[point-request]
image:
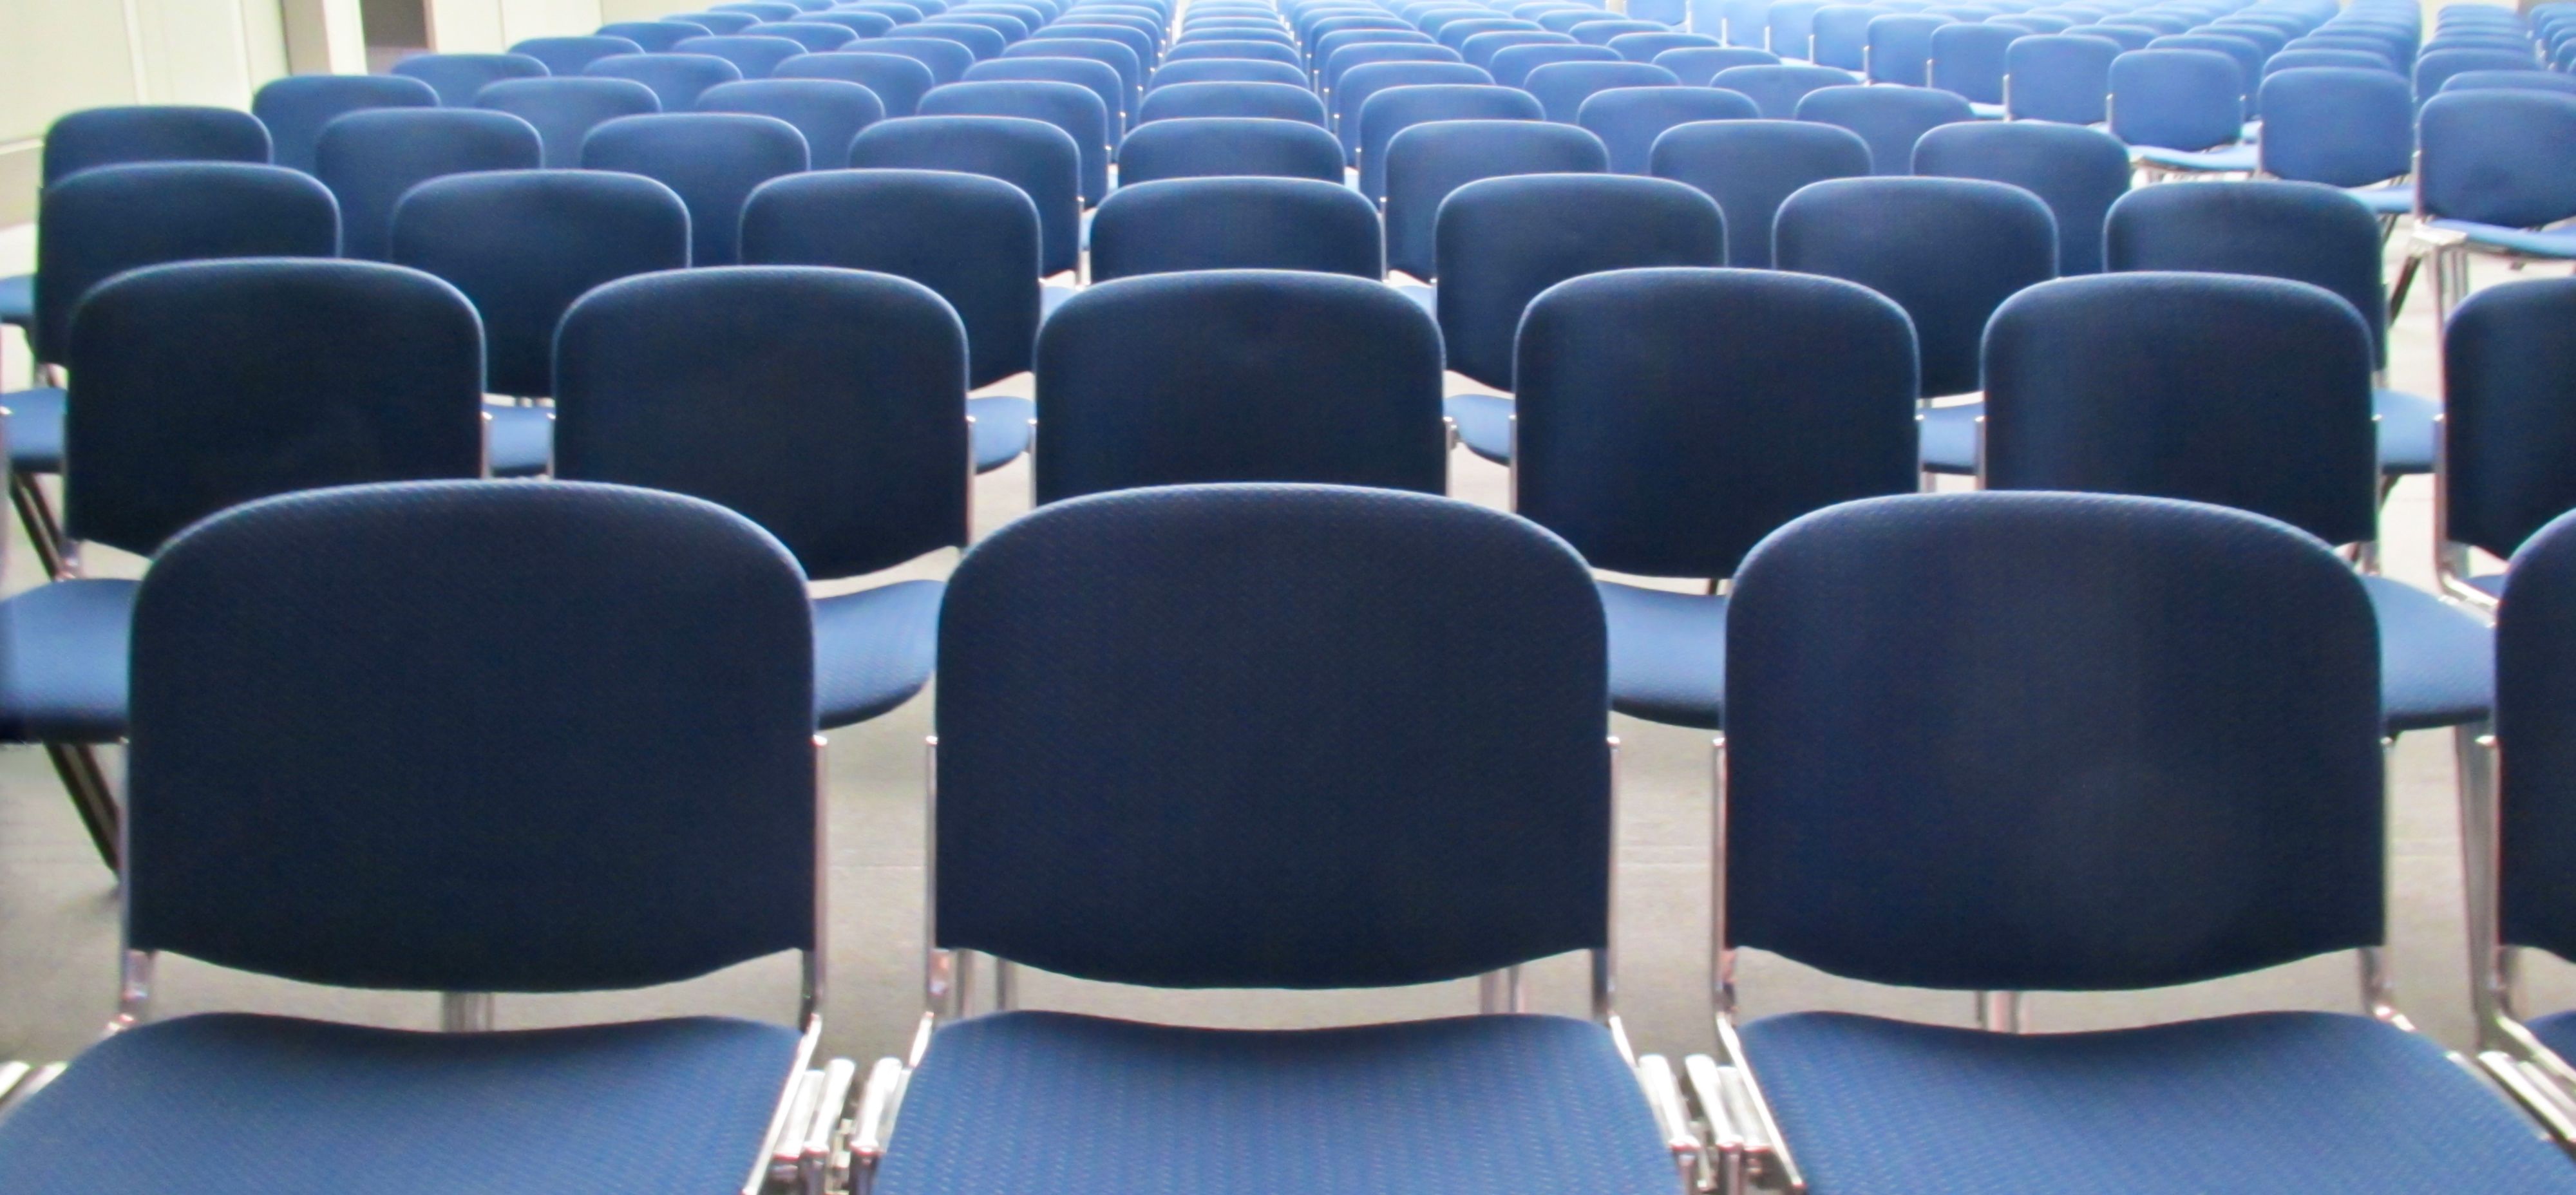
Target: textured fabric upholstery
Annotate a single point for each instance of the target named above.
(860, 24)
(369, 159)
(1341, 60)
(1068, 106)
(2247, 56)
(753, 55)
(565, 110)
(2078, 172)
(1968, 60)
(1400, 695)
(1900, 48)
(1561, 87)
(1236, 223)
(295, 108)
(1792, 27)
(2176, 99)
(567, 55)
(2436, 661)
(18, 300)
(1114, 55)
(127, 134)
(2438, 65)
(1600, 32)
(718, 22)
(457, 77)
(1628, 119)
(1454, 34)
(1667, 655)
(677, 79)
(63, 662)
(2304, 232)
(2499, 157)
(1239, 375)
(2266, 1102)
(1890, 119)
(1184, 51)
(898, 82)
(828, 112)
(2509, 429)
(1841, 33)
(1513, 66)
(713, 160)
(1032, 155)
(1499, 1105)
(2484, 80)
(1192, 147)
(1750, 166)
(1643, 47)
(1428, 162)
(1699, 67)
(1479, 49)
(817, 37)
(35, 429)
(1777, 89)
(2533, 689)
(2050, 742)
(1268, 101)
(2059, 77)
(659, 808)
(1099, 78)
(1362, 82)
(874, 649)
(1230, 70)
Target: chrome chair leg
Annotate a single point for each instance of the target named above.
(36, 512)
(92, 797)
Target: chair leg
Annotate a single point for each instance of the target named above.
(2405, 282)
(92, 797)
(44, 531)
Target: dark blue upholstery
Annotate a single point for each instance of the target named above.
(2438, 65)
(752, 55)
(369, 159)
(2339, 126)
(2047, 741)
(677, 79)
(1443, 1107)
(2061, 77)
(1401, 696)
(1429, 161)
(898, 82)
(1890, 119)
(2532, 696)
(565, 110)
(2508, 426)
(2176, 99)
(1698, 67)
(2078, 172)
(1750, 166)
(1400, 108)
(1230, 70)
(1032, 155)
(1267, 101)
(2269, 1101)
(230, 1104)
(828, 112)
(133, 133)
(1777, 89)
(1512, 67)
(1968, 60)
(1561, 87)
(2503, 158)
(2247, 55)
(1947, 250)
(1238, 375)
(1628, 119)
(712, 159)
(1358, 84)
(1068, 106)
(63, 649)
(567, 55)
(295, 108)
(1193, 147)
(1236, 223)
(457, 77)
(816, 36)
(655, 37)
(1099, 77)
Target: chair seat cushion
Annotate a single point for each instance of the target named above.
(2490, 584)
(873, 649)
(35, 429)
(1425, 297)
(2224, 158)
(2551, 242)
(63, 650)
(1950, 438)
(2556, 1031)
(2395, 200)
(1667, 654)
(1484, 424)
(232, 1104)
(1072, 1105)
(1051, 297)
(2271, 1102)
(1987, 111)
(18, 300)
(1001, 429)
(2436, 660)
(523, 440)
(2406, 425)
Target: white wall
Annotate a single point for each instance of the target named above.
(482, 26)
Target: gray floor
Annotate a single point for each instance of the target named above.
(58, 911)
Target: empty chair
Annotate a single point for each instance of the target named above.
(456, 77)
(1599, 32)
(651, 37)
(1131, 71)
(2436, 68)
(753, 55)
(1899, 48)
(2507, 433)
(2127, 37)
(1067, 106)
(1697, 67)
(1841, 34)
(1791, 28)
(565, 110)
(1629, 119)
(1429, 161)
(1144, 45)
(1267, 101)
(1564, 20)
(946, 59)
(860, 24)
(1454, 34)
(2344, 127)
(901, 14)
(1513, 66)
(712, 159)
(2484, 80)
(2078, 172)
(1969, 61)
(1211, 146)
(2495, 168)
(2248, 57)
(1890, 119)
(2180, 111)
(1561, 87)
(2513, 837)
(1236, 224)
(1183, 51)
(1228, 70)
(1390, 113)
(1744, 23)
(1643, 47)
(522, 245)
(1099, 78)
(567, 55)
(1009, 25)
(1360, 83)
(1750, 166)
(1331, 69)
(295, 108)
(677, 79)
(1666, 420)
(2380, 56)
(980, 42)
(370, 158)
(1032, 155)
(719, 23)
(2058, 77)
(897, 81)
(816, 36)
(828, 112)
(1778, 89)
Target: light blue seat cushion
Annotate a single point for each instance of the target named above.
(63, 653)
(1052, 296)
(35, 429)
(1987, 111)
(523, 440)
(2225, 158)
(2395, 200)
(2552, 242)
(2436, 661)
(1667, 654)
(1484, 424)
(1950, 438)
(873, 649)
(2490, 584)
(1425, 297)
(18, 300)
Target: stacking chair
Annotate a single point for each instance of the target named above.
(816, 36)
(622, 819)
(1115, 56)
(1236, 224)
(1267, 101)
(295, 108)
(1099, 78)
(651, 37)
(1629, 119)
(1149, 55)
(1668, 419)
(1032, 155)
(1602, 32)
(753, 55)
(1561, 87)
(1428, 161)
(719, 24)
(1512, 66)
(1942, 762)
(981, 42)
(1791, 29)
(1947, 250)
(2437, 66)
(1897, 48)
(828, 112)
(1643, 47)
(677, 79)
(2495, 167)
(1564, 20)
(2059, 77)
(457, 77)
(1398, 109)
(1228, 70)
(2515, 840)
(2506, 430)
(1067, 106)
(2344, 127)
(370, 158)
(1183, 51)
(1749, 167)
(2078, 172)
(1699, 67)
(1968, 61)
(862, 24)
(2378, 57)
(946, 59)
(1743, 23)
(1841, 34)
(1454, 34)
(1777, 89)
(1361, 83)
(900, 14)
(898, 82)
(565, 110)
(2486, 80)
(1890, 119)
(2247, 56)
(713, 160)
(1330, 68)
(1401, 696)
(1194, 147)
(2180, 111)
(1502, 241)
(1010, 25)
(831, 410)
(522, 245)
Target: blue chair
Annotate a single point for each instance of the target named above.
(1512, 66)
(522, 245)
(1841, 34)
(677, 79)
(1265, 101)
(2436, 67)
(2078, 172)
(854, 454)
(1643, 47)
(720, 23)
(2494, 169)
(1145, 46)
(370, 158)
(860, 24)
(2344, 127)
(766, 10)
(946, 59)
(1897, 48)
(980, 42)
(2249, 59)
(2180, 111)
(1117, 57)
(1746, 23)
(1947, 250)
(1480, 49)
(712, 159)
(1099, 78)
(1362, 82)
(1561, 87)
(1699, 67)
(1229, 70)
(1236, 224)
(1669, 419)
(1009, 25)
(565, 110)
(1213, 146)
(753, 55)
(1969, 61)
(1390, 113)
(1790, 31)
(1502, 241)
(1748, 167)
(2059, 77)
(1935, 764)
(2487, 80)
(1067, 106)
(1454, 34)
(1600, 32)
(897, 81)
(1331, 68)
(2378, 54)
(1032, 155)
(1563, 20)
(817, 37)
(2506, 432)
(1436, 608)
(1428, 161)
(1890, 119)
(2513, 838)
(295, 108)
(456, 77)
(1629, 119)
(1776, 90)
(828, 112)
(2127, 37)
(900, 14)
(972, 240)
(651, 37)
(1183, 51)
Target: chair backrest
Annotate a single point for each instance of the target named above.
(1504, 240)
(2340, 126)
(2436, 68)
(2290, 60)
(1792, 28)
(1236, 224)
(897, 81)
(1228, 70)
(1699, 66)
(295, 108)
(2507, 427)
(1513, 65)
(2248, 56)
(1032, 155)
(204, 384)
(1667, 419)
(296, 815)
(523, 245)
(1968, 60)
(981, 43)
(2061, 77)
(828, 112)
(766, 10)
(677, 79)
(1628, 119)
(102, 222)
(133, 133)
(2384, 55)
(2490, 80)
(1212, 145)
(1364, 47)
(826, 405)
(2176, 99)
(1183, 51)
(1777, 89)
(1948, 250)
(2498, 157)
(946, 59)
(2533, 671)
(1397, 109)
(1890, 119)
(1643, 47)
(2037, 775)
(1099, 78)
(1428, 161)
(753, 55)
(2304, 232)
(713, 159)
(370, 158)
(1117, 57)
(862, 24)
(719, 23)
(2077, 171)
(1142, 44)
(2241, 391)
(1841, 33)
(1561, 87)
(1747, 23)
(1238, 375)
(1456, 818)
(651, 37)
(565, 110)
(1899, 48)
(1750, 166)
(1067, 106)
(1361, 83)
(1266, 101)
(816, 36)
(456, 77)
(1454, 34)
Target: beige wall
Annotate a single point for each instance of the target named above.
(474, 26)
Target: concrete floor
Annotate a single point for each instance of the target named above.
(58, 905)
